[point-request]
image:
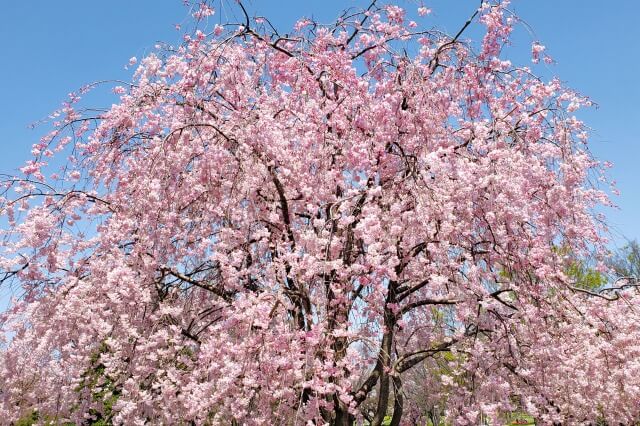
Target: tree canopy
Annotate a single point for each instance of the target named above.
(350, 222)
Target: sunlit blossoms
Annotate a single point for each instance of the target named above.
(353, 222)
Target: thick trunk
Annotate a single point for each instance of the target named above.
(398, 404)
(385, 378)
(343, 417)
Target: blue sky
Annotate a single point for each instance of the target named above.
(51, 48)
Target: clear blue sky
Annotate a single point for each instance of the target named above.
(50, 48)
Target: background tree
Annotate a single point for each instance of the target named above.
(626, 262)
(272, 229)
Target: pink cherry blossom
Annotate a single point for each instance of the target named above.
(423, 11)
(536, 50)
(318, 228)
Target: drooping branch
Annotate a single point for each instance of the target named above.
(407, 361)
(424, 302)
(435, 61)
(629, 282)
(225, 295)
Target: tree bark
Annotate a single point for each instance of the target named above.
(385, 364)
(398, 404)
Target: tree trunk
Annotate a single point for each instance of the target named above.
(385, 379)
(343, 417)
(398, 404)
